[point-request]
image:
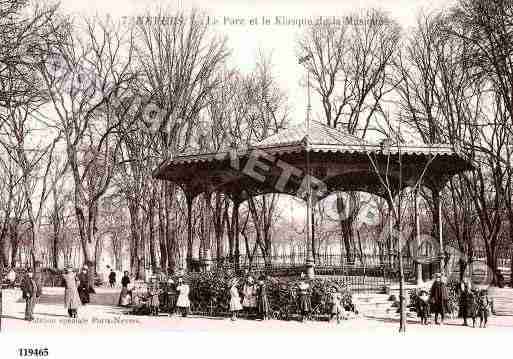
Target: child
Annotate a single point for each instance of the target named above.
(183, 302)
(235, 305)
(170, 296)
(262, 300)
(153, 297)
(336, 305)
(423, 307)
(305, 304)
(484, 306)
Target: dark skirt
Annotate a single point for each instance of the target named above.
(439, 308)
(263, 304)
(83, 293)
(422, 309)
(304, 302)
(467, 306)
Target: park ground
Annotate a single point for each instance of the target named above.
(50, 315)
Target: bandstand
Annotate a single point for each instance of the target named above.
(336, 162)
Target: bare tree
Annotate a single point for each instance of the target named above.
(90, 68)
(444, 99)
(351, 67)
(25, 32)
(179, 63)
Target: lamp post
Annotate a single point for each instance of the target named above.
(310, 261)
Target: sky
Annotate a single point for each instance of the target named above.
(243, 24)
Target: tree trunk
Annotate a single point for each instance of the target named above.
(4, 252)
(87, 232)
(117, 251)
(171, 224)
(462, 268)
(219, 226)
(435, 225)
(162, 231)
(189, 201)
(151, 221)
(235, 219)
(55, 246)
(14, 245)
(98, 249)
(511, 265)
(230, 231)
(135, 240)
(346, 236)
(345, 226)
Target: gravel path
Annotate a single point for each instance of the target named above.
(50, 315)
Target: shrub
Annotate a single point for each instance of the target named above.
(452, 291)
(209, 291)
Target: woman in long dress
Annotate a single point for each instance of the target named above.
(235, 305)
(183, 302)
(71, 297)
(83, 287)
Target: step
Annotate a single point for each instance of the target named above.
(373, 304)
(502, 300)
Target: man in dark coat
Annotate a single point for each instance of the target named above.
(83, 286)
(170, 296)
(439, 298)
(31, 292)
(112, 278)
(125, 281)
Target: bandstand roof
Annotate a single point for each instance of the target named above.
(340, 160)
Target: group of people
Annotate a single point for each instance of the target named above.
(174, 297)
(255, 302)
(77, 290)
(475, 304)
(254, 298)
(472, 304)
(246, 295)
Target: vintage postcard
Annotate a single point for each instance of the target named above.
(278, 167)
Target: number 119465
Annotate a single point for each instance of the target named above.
(33, 352)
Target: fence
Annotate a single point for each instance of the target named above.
(364, 273)
(367, 273)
